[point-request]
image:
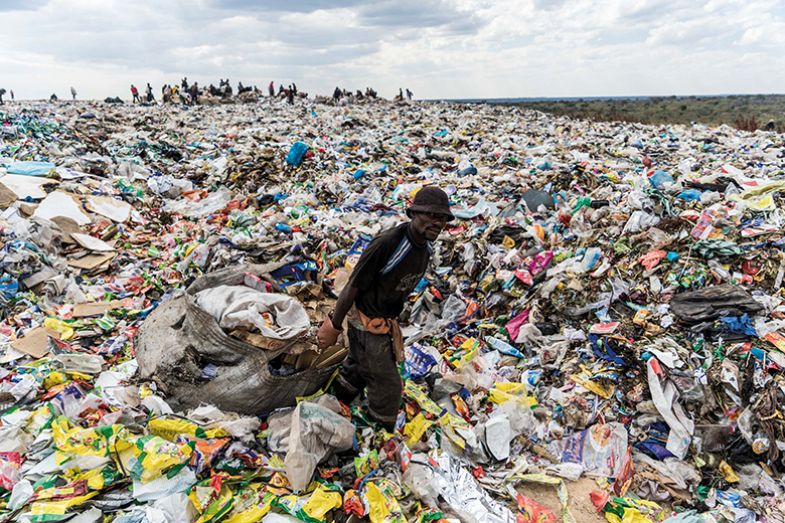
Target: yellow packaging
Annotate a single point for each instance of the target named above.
(83, 442)
(321, 502)
(41, 510)
(62, 328)
(383, 509)
(415, 429)
(727, 472)
(170, 428)
(508, 391)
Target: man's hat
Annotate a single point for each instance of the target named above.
(431, 199)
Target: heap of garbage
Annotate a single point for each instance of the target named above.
(607, 305)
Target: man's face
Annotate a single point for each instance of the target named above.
(428, 224)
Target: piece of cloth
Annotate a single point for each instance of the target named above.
(371, 365)
(388, 271)
(276, 316)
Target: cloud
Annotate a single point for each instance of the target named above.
(438, 48)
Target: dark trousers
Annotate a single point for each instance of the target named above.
(371, 365)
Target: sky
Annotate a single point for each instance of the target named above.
(437, 48)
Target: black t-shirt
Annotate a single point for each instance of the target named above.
(388, 271)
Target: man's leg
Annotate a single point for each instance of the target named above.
(350, 382)
(380, 371)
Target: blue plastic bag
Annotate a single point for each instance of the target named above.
(29, 168)
(690, 195)
(659, 179)
(297, 154)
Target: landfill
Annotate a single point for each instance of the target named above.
(607, 307)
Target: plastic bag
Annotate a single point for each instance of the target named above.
(316, 433)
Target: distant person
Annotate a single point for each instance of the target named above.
(184, 84)
(337, 94)
(290, 96)
(271, 88)
(193, 93)
(2, 92)
(409, 94)
(53, 98)
(12, 95)
(135, 94)
(149, 93)
(294, 88)
(73, 93)
(166, 93)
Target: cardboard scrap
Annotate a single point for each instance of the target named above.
(82, 310)
(7, 197)
(91, 261)
(91, 242)
(68, 226)
(114, 209)
(59, 203)
(35, 343)
(27, 186)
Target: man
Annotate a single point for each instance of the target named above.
(271, 89)
(73, 93)
(193, 92)
(387, 272)
(149, 93)
(409, 94)
(135, 94)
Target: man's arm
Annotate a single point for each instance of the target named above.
(343, 305)
(331, 328)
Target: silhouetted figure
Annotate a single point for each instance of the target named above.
(149, 93)
(73, 93)
(290, 96)
(193, 92)
(337, 93)
(409, 94)
(294, 88)
(12, 94)
(53, 98)
(2, 92)
(271, 88)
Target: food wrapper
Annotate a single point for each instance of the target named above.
(509, 391)
(415, 429)
(353, 504)
(383, 507)
(70, 441)
(212, 500)
(561, 491)
(311, 509)
(529, 511)
(9, 469)
(149, 457)
(171, 428)
(251, 504)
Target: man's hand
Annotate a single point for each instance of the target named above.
(327, 334)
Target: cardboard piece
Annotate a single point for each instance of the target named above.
(7, 197)
(114, 209)
(91, 242)
(27, 186)
(35, 343)
(91, 261)
(83, 310)
(58, 203)
(68, 226)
